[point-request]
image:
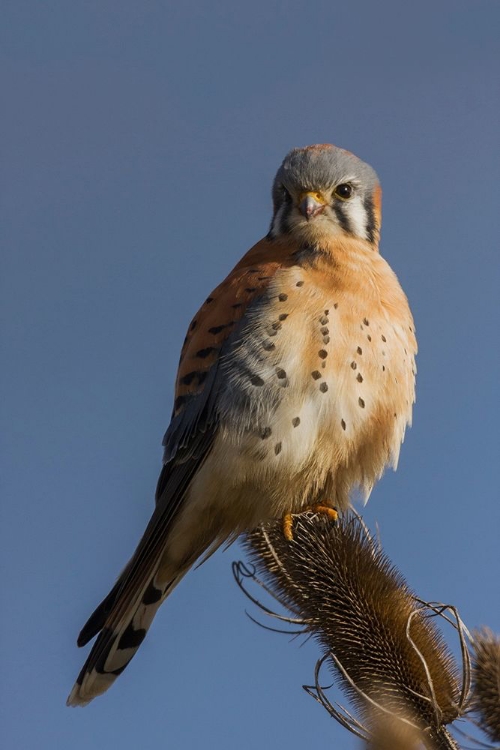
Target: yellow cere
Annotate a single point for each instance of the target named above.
(318, 197)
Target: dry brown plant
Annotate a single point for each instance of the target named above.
(486, 681)
(381, 642)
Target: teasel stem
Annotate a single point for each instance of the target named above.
(386, 653)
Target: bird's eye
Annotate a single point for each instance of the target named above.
(285, 193)
(344, 191)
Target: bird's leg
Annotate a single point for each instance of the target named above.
(326, 510)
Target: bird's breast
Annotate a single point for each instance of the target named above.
(320, 383)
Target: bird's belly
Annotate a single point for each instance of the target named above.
(310, 412)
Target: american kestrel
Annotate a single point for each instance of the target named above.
(295, 385)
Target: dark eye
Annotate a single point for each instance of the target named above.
(285, 194)
(344, 191)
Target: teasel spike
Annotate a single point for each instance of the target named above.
(486, 681)
(387, 655)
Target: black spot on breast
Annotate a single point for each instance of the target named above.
(336, 304)
(323, 320)
(276, 326)
(203, 353)
(359, 377)
(209, 300)
(353, 365)
(256, 380)
(296, 421)
(193, 325)
(265, 433)
(283, 316)
(361, 403)
(268, 346)
(323, 387)
(383, 338)
(383, 368)
(326, 339)
(359, 350)
(282, 297)
(366, 321)
(277, 448)
(131, 638)
(299, 283)
(280, 373)
(323, 354)
(343, 424)
(369, 337)
(327, 312)
(316, 374)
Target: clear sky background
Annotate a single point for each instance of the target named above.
(139, 142)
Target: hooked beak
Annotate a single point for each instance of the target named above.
(311, 204)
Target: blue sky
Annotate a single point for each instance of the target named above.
(139, 142)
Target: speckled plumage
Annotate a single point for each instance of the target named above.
(295, 385)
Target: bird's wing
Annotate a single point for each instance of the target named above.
(194, 424)
(212, 329)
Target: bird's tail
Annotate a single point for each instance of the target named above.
(121, 631)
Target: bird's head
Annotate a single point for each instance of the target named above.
(323, 191)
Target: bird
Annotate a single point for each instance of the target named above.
(295, 385)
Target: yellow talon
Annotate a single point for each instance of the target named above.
(326, 510)
(288, 527)
(288, 518)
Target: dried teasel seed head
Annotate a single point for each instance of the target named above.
(384, 647)
(486, 681)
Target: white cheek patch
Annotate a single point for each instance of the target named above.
(356, 213)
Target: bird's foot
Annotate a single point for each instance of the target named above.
(288, 527)
(326, 510)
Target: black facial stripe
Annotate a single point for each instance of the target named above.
(285, 206)
(284, 219)
(281, 200)
(370, 219)
(342, 217)
(281, 226)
